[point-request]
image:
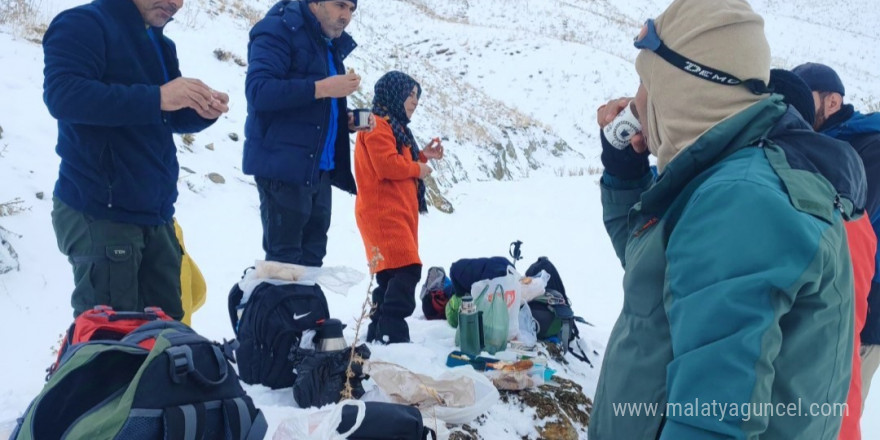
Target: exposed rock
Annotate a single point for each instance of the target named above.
(1, 132)
(233, 136)
(40, 195)
(563, 409)
(8, 256)
(225, 55)
(435, 197)
(464, 432)
(188, 170)
(13, 207)
(222, 55)
(216, 178)
(210, 146)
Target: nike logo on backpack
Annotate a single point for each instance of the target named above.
(298, 317)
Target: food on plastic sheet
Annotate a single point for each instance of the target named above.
(521, 365)
(514, 375)
(456, 396)
(513, 380)
(337, 279)
(279, 271)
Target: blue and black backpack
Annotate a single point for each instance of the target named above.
(268, 324)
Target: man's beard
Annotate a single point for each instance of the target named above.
(820, 118)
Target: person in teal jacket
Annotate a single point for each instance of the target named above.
(738, 288)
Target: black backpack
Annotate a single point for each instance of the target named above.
(553, 312)
(386, 421)
(183, 387)
(270, 325)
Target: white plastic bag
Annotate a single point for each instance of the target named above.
(336, 279)
(320, 425)
(436, 425)
(534, 286)
(510, 285)
(528, 327)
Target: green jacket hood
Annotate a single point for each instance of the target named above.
(799, 150)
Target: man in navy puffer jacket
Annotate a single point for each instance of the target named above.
(112, 80)
(841, 121)
(298, 125)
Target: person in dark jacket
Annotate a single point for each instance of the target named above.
(841, 121)
(297, 129)
(862, 250)
(113, 82)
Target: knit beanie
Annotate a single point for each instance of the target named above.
(795, 92)
(820, 78)
(726, 35)
(316, 1)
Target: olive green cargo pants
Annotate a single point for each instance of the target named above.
(126, 266)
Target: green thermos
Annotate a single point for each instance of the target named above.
(470, 326)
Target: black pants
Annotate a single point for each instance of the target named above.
(126, 266)
(394, 299)
(295, 220)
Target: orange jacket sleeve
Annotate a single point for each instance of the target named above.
(386, 161)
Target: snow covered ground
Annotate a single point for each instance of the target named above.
(497, 80)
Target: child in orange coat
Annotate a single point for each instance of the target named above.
(389, 168)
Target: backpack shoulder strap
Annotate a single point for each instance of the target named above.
(187, 422)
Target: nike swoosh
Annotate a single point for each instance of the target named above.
(297, 317)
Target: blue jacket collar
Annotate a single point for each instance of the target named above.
(296, 14)
(854, 125)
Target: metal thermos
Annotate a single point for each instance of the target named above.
(329, 336)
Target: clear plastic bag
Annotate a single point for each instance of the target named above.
(528, 327)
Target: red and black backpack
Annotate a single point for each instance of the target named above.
(104, 323)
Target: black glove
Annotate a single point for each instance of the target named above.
(320, 376)
(623, 164)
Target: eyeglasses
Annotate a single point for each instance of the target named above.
(648, 39)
